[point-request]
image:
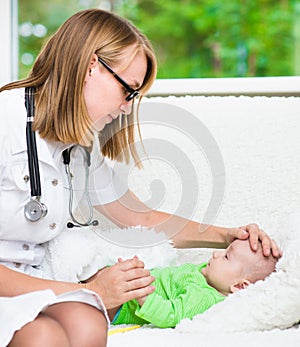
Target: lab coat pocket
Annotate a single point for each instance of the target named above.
(14, 194)
(19, 174)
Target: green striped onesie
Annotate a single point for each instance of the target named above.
(181, 292)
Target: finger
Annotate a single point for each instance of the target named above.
(266, 243)
(253, 231)
(276, 251)
(236, 233)
(138, 293)
(139, 283)
(136, 273)
(131, 264)
(241, 233)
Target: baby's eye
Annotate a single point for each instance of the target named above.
(226, 257)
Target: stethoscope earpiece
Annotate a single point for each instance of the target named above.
(71, 225)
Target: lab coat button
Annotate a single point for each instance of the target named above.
(26, 178)
(54, 182)
(52, 226)
(17, 265)
(25, 247)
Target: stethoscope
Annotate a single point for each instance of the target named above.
(34, 209)
(87, 163)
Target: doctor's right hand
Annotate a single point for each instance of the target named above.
(122, 282)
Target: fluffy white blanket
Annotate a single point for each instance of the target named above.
(270, 304)
(77, 254)
(148, 336)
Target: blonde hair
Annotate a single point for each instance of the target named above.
(58, 77)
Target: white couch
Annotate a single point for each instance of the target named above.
(243, 168)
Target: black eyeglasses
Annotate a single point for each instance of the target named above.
(133, 93)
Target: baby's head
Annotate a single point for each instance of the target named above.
(237, 266)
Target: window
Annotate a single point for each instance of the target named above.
(192, 38)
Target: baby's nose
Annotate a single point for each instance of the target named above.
(216, 254)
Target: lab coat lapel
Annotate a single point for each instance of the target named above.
(20, 146)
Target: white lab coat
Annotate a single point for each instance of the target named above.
(21, 241)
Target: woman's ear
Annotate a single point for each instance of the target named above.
(239, 285)
(93, 64)
(94, 61)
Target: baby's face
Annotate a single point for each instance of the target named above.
(226, 267)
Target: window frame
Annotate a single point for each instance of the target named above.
(8, 41)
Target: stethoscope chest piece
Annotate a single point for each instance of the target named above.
(34, 210)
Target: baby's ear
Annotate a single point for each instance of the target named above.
(239, 285)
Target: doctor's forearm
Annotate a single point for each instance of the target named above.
(185, 233)
(16, 283)
(130, 211)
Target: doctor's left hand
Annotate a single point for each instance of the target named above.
(122, 282)
(255, 234)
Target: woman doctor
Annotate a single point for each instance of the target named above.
(79, 92)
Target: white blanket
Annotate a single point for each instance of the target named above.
(77, 254)
(272, 303)
(149, 337)
(264, 315)
(267, 305)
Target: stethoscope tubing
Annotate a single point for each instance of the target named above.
(66, 160)
(33, 163)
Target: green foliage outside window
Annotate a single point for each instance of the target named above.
(192, 38)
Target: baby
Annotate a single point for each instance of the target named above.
(187, 290)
